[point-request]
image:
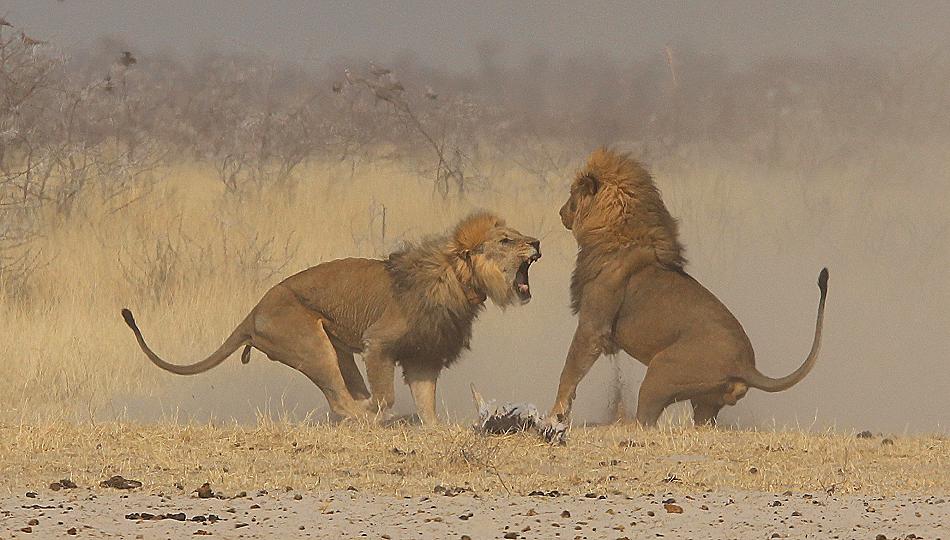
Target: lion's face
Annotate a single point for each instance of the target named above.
(582, 194)
(501, 263)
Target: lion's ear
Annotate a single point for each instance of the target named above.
(588, 184)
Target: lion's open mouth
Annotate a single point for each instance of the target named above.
(522, 286)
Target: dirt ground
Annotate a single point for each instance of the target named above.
(286, 480)
(351, 514)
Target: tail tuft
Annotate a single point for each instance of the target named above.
(129, 320)
(823, 280)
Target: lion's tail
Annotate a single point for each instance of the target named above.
(237, 338)
(756, 379)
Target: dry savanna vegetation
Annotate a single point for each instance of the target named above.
(410, 461)
(185, 188)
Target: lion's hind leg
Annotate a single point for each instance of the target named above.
(705, 410)
(671, 377)
(707, 406)
(351, 375)
(295, 336)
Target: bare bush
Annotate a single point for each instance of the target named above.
(446, 127)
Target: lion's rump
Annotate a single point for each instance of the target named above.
(329, 290)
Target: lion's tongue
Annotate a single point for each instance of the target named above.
(521, 280)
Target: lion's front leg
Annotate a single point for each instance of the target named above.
(422, 381)
(380, 372)
(599, 307)
(586, 348)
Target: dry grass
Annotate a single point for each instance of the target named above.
(192, 260)
(412, 461)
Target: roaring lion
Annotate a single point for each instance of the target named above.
(415, 309)
(630, 292)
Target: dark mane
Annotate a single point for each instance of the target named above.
(427, 286)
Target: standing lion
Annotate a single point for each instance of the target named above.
(414, 309)
(630, 292)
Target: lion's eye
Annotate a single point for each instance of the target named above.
(506, 240)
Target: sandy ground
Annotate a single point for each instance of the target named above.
(290, 480)
(103, 513)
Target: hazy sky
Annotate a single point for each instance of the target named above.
(443, 33)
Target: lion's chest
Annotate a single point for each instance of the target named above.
(436, 339)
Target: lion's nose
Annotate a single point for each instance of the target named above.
(536, 244)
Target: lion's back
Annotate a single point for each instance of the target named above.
(350, 293)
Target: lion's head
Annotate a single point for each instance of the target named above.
(614, 204)
(442, 283)
(495, 258)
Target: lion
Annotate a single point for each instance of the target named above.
(630, 291)
(415, 309)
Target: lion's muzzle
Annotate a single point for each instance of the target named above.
(522, 285)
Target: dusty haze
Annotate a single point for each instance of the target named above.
(784, 137)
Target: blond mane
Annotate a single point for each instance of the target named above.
(625, 219)
(628, 210)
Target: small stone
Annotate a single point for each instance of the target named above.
(880, 537)
(33, 521)
(72, 531)
(31, 494)
(27, 529)
(298, 497)
(118, 482)
(865, 434)
(753, 470)
(565, 514)
(205, 491)
(511, 535)
(673, 508)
